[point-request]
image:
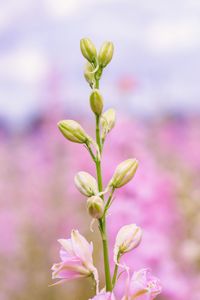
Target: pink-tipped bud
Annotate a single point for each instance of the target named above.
(95, 206)
(128, 238)
(123, 173)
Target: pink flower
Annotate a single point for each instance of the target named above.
(104, 296)
(143, 286)
(76, 259)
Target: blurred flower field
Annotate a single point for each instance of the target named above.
(153, 83)
(39, 203)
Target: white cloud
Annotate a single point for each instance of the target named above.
(172, 35)
(23, 65)
(9, 10)
(62, 8)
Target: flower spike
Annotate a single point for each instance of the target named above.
(76, 252)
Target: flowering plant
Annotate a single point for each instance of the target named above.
(76, 252)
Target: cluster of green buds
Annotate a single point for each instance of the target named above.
(87, 185)
(96, 62)
(99, 199)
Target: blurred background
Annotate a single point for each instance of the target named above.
(153, 82)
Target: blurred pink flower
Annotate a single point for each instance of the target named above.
(163, 198)
(142, 286)
(104, 296)
(76, 256)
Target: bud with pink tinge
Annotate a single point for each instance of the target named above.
(128, 238)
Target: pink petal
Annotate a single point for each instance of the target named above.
(81, 247)
(104, 296)
(71, 268)
(67, 247)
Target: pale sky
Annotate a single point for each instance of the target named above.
(157, 45)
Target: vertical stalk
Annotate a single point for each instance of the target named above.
(102, 221)
(97, 84)
(99, 177)
(102, 224)
(115, 276)
(98, 138)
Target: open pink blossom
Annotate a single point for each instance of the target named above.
(142, 286)
(104, 296)
(76, 259)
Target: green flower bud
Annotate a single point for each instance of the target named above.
(108, 121)
(96, 102)
(105, 54)
(123, 173)
(86, 184)
(88, 49)
(95, 206)
(89, 74)
(73, 131)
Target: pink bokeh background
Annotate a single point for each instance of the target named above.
(153, 84)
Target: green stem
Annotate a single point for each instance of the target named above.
(98, 136)
(114, 279)
(99, 176)
(102, 224)
(91, 152)
(102, 221)
(97, 84)
(109, 201)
